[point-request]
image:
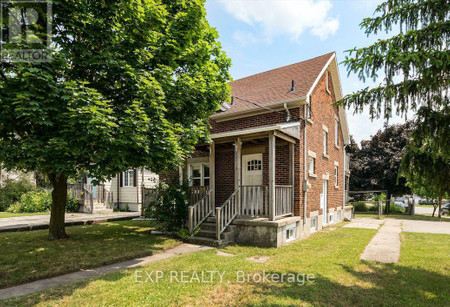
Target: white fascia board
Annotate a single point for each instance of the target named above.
(274, 104)
(241, 132)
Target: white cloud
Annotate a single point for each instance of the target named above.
(290, 17)
(245, 38)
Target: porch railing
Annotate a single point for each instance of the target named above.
(199, 211)
(283, 200)
(226, 213)
(198, 192)
(86, 195)
(254, 201)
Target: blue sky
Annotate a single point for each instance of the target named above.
(259, 35)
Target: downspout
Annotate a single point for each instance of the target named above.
(305, 152)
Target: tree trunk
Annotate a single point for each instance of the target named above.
(388, 203)
(434, 207)
(440, 203)
(56, 228)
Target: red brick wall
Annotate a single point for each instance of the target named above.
(252, 121)
(323, 113)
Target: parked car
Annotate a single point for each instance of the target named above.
(445, 209)
(400, 204)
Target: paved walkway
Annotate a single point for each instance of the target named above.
(43, 284)
(385, 245)
(34, 222)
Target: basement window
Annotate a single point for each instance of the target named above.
(331, 218)
(290, 232)
(313, 224)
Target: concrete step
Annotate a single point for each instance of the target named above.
(207, 241)
(208, 226)
(210, 219)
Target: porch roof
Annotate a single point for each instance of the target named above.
(287, 130)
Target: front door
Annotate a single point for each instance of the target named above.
(252, 180)
(324, 201)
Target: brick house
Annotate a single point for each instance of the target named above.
(276, 168)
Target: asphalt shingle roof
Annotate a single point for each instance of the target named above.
(275, 85)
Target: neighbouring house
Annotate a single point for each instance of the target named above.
(276, 169)
(125, 191)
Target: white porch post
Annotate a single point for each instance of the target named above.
(292, 173)
(237, 171)
(271, 176)
(212, 174)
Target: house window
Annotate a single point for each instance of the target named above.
(327, 81)
(128, 178)
(325, 140)
(335, 176)
(254, 165)
(199, 174)
(336, 133)
(290, 232)
(308, 111)
(314, 223)
(312, 165)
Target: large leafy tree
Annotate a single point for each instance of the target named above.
(414, 64)
(131, 84)
(376, 165)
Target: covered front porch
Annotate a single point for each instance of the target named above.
(250, 175)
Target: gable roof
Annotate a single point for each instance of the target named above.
(275, 85)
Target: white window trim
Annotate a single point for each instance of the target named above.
(128, 180)
(336, 176)
(288, 228)
(336, 133)
(202, 173)
(314, 229)
(312, 174)
(327, 81)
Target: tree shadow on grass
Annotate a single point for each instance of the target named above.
(378, 285)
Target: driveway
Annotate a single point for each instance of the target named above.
(424, 210)
(41, 221)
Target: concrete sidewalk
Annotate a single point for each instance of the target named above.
(385, 245)
(43, 284)
(34, 222)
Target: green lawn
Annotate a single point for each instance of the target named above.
(27, 256)
(421, 278)
(10, 214)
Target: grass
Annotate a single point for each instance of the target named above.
(421, 277)
(28, 256)
(10, 214)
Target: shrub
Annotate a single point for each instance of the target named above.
(394, 209)
(72, 204)
(360, 207)
(33, 201)
(170, 207)
(13, 190)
